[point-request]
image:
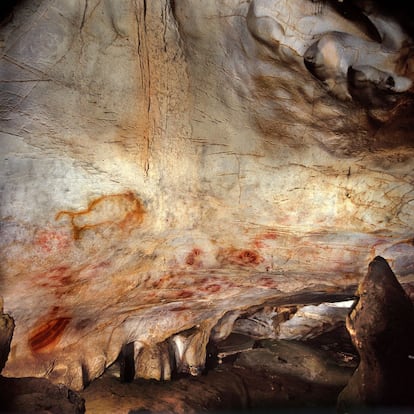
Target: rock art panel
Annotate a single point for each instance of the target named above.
(47, 335)
(168, 166)
(115, 210)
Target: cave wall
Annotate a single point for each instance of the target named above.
(167, 165)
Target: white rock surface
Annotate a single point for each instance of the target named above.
(161, 168)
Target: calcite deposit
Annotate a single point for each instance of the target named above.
(169, 166)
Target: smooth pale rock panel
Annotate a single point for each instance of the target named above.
(275, 167)
(311, 321)
(292, 322)
(83, 142)
(169, 165)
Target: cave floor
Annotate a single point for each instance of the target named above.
(255, 380)
(222, 390)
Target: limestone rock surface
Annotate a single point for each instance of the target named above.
(38, 395)
(380, 326)
(258, 379)
(168, 165)
(6, 334)
(30, 395)
(296, 359)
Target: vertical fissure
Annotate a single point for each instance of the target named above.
(85, 8)
(141, 11)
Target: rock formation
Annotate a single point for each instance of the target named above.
(29, 395)
(38, 395)
(276, 376)
(380, 325)
(167, 166)
(6, 334)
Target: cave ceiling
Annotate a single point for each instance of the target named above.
(168, 165)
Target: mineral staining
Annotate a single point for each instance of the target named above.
(124, 211)
(333, 45)
(45, 337)
(167, 173)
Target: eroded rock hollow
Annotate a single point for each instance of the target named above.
(169, 167)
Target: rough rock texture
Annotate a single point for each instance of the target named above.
(30, 395)
(295, 359)
(38, 395)
(381, 327)
(6, 334)
(167, 165)
(276, 378)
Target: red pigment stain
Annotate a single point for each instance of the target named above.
(258, 240)
(243, 257)
(51, 240)
(61, 274)
(156, 284)
(56, 277)
(101, 265)
(269, 236)
(212, 288)
(124, 211)
(161, 282)
(185, 294)
(47, 336)
(258, 244)
(93, 271)
(267, 281)
(193, 258)
(203, 280)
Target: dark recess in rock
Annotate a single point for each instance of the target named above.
(31, 395)
(126, 363)
(6, 9)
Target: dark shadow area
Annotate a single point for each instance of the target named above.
(6, 9)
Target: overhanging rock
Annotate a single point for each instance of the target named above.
(166, 165)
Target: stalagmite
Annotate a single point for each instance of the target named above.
(190, 349)
(153, 362)
(380, 325)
